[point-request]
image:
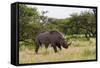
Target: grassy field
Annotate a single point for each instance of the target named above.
(79, 50)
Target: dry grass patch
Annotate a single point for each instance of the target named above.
(79, 50)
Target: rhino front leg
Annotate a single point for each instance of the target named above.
(59, 47)
(54, 47)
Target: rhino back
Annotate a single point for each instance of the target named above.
(44, 37)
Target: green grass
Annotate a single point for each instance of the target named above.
(79, 50)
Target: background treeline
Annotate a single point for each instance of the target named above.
(31, 23)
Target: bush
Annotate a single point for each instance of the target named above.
(24, 45)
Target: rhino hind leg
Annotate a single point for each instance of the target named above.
(37, 47)
(36, 50)
(46, 47)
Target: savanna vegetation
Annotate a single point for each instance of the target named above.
(80, 29)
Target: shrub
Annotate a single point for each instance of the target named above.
(23, 46)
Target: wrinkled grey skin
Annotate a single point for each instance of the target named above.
(51, 37)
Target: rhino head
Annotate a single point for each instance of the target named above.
(65, 44)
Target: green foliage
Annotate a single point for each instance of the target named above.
(26, 17)
(26, 46)
(83, 23)
(78, 24)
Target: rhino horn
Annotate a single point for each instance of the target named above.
(69, 43)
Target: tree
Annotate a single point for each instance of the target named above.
(89, 23)
(84, 23)
(75, 21)
(44, 18)
(27, 16)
